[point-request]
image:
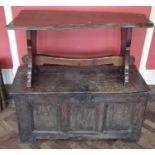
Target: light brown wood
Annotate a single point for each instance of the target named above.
(42, 60)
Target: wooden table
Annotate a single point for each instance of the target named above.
(82, 98)
(33, 20)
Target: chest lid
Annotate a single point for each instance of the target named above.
(62, 79)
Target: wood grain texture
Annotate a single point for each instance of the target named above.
(44, 60)
(118, 116)
(9, 138)
(24, 116)
(127, 55)
(68, 80)
(30, 54)
(33, 20)
(83, 120)
(74, 108)
(58, 20)
(115, 60)
(46, 117)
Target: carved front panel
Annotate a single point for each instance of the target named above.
(83, 118)
(139, 112)
(46, 117)
(97, 107)
(85, 115)
(118, 116)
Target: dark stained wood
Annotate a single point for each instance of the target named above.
(30, 63)
(80, 100)
(65, 113)
(34, 42)
(102, 109)
(10, 139)
(42, 60)
(81, 124)
(58, 20)
(85, 118)
(138, 113)
(24, 117)
(128, 32)
(100, 79)
(32, 49)
(79, 103)
(114, 114)
(46, 117)
(123, 40)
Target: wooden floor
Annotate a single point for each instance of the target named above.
(9, 135)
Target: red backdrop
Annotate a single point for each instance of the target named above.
(151, 58)
(5, 55)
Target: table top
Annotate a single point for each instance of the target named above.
(59, 20)
(68, 80)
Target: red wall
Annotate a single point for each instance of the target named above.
(5, 56)
(85, 42)
(151, 58)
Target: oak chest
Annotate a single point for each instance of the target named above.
(79, 103)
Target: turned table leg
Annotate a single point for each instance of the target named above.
(126, 35)
(28, 59)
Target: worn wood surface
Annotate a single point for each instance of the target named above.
(31, 48)
(41, 116)
(63, 79)
(30, 54)
(65, 104)
(33, 20)
(127, 48)
(44, 60)
(9, 138)
(24, 116)
(47, 19)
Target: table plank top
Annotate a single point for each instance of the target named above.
(59, 20)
